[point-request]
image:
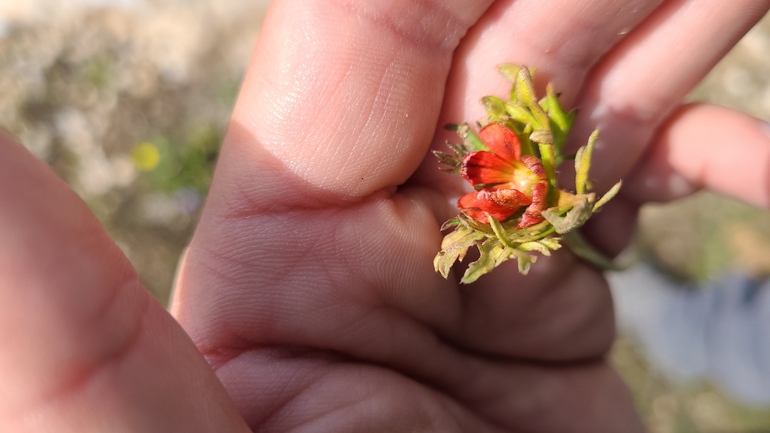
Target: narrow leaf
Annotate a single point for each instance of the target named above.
(472, 141)
(454, 222)
(608, 196)
(548, 157)
(583, 163)
(499, 231)
(446, 159)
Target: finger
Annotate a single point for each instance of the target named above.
(643, 80)
(706, 146)
(563, 39)
(82, 344)
(343, 100)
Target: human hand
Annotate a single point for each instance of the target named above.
(308, 286)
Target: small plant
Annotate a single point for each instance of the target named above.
(517, 208)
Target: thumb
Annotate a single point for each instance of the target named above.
(83, 345)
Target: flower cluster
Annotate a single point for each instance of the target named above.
(517, 208)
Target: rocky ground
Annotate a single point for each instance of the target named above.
(128, 101)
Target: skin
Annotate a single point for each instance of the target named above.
(307, 301)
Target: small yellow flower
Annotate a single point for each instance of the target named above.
(145, 156)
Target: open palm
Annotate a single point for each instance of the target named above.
(309, 287)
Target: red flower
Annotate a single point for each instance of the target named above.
(505, 180)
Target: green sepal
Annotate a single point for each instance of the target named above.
(495, 108)
(511, 71)
(548, 157)
(525, 94)
(526, 143)
(519, 113)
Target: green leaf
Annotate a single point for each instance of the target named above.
(495, 108)
(525, 261)
(472, 141)
(492, 253)
(454, 222)
(536, 246)
(552, 243)
(575, 217)
(608, 196)
(583, 163)
(454, 247)
(531, 234)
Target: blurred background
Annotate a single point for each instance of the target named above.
(128, 101)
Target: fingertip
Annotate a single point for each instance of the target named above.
(706, 146)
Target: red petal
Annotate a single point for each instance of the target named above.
(534, 165)
(532, 215)
(510, 198)
(476, 204)
(501, 141)
(486, 168)
(529, 220)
